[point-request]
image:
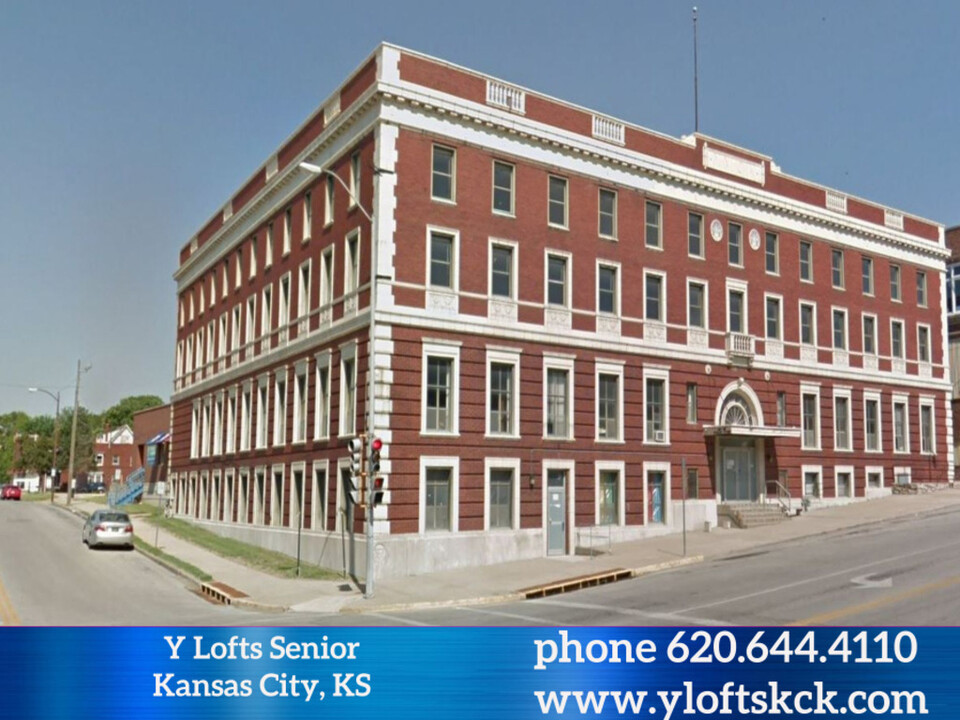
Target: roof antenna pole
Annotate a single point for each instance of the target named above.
(696, 91)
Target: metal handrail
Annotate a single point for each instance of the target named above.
(784, 498)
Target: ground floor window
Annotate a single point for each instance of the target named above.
(501, 498)
(437, 505)
(811, 483)
(609, 497)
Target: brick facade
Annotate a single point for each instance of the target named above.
(543, 362)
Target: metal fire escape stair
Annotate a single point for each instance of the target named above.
(128, 491)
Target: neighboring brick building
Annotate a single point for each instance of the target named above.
(151, 435)
(114, 456)
(953, 324)
(567, 310)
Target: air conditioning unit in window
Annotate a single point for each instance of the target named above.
(660, 436)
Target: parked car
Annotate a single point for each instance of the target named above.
(10, 492)
(108, 527)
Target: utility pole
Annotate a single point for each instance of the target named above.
(73, 433)
(56, 447)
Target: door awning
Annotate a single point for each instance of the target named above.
(158, 439)
(751, 431)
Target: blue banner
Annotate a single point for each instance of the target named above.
(481, 673)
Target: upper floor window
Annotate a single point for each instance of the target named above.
(867, 271)
(503, 188)
(836, 268)
(696, 304)
(806, 261)
(608, 405)
(354, 179)
(352, 265)
(326, 277)
(772, 251)
(869, 335)
(268, 247)
(441, 260)
(921, 289)
(557, 201)
(501, 271)
(307, 216)
(328, 204)
(652, 230)
(348, 395)
(923, 343)
(774, 318)
(895, 282)
(735, 244)
(953, 289)
(443, 179)
(558, 410)
(607, 290)
(839, 329)
(896, 339)
(439, 394)
(808, 324)
(502, 394)
(695, 235)
(608, 213)
(736, 311)
(654, 296)
(287, 229)
(557, 284)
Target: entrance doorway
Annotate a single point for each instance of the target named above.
(739, 473)
(556, 512)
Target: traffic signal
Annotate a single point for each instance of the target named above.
(355, 481)
(375, 446)
(377, 491)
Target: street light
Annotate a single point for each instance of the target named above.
(371, 355)
(56, 435)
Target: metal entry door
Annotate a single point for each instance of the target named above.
(738, 474)
(556, 512)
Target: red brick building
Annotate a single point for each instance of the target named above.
(559, 323)
(114, 456)
(151, 435)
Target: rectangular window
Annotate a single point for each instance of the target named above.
(303, 293)
(811, 421)
(735, 309)
(781, 409)
(609, 501)
(283, 311)
(307, 216)
(871, 424)
(354, 179)
(245, 419)
(869, 335)
(437, 503)
(692, 487)
(895, 282)
(352, 265)
(280, 411)
(696, 304)
(608, 407)
(321, 400)
(691, 402)
(811, 483)
(501, 399)
(287, 229)
(896, 339)
(866, 265)
(348, 395)
(558, 403)
(926, 428)
(557, 202)
(844, 484)
(921, 289)
(266, 313)
(557, 281)
(253, 256)
(773, 318)
(735, 244)
(923, 343)
(326, 278)
(328, 200)
(439, 394)
(655, 410)
(442, 185)
(501, 498)
(441, 260)
(773, 253)
(608, 213)
(607, 293)
(501, 271)
(695, 235)
(503, 188)
(806, 261)
(652, 232)
(261, 415)
(839, 329)
(841, 422)
(653, 297)
(300, 406)
(836, 268)
(900, 438)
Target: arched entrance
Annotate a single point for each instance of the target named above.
(739, 446)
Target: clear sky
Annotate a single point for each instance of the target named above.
(125, 125)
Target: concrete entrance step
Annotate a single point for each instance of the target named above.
(747, 515)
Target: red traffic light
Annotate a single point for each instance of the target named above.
(376, 444)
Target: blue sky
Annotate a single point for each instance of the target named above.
(125, 125)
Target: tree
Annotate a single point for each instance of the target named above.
(122, 413)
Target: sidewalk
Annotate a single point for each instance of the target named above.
(508, 581)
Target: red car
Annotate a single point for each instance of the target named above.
(10, 492)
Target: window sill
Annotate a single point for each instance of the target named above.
(553, 438)
(609, 441)
(654, 443)
(439, 434)
(503, 214)
(500, 436)
(563, 228)
(444, 201)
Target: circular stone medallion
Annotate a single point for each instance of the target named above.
(716, 230)
(755, 239)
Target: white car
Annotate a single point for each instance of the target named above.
(108, 527)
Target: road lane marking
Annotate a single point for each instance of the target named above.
(395, 618)
(509, 616)
(833, 615)
(8, 614)
(798, 583)
(669, 617)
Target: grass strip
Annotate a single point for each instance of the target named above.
(186, 567)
